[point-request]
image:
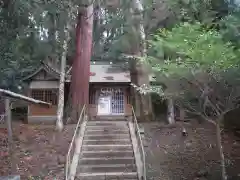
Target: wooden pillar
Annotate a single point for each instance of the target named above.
(10, 134)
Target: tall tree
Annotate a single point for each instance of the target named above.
(140, 72)
(81, 64)
(16, 29)
(67, 29)
(25, 27)
(59, 123)
(123, 33)
(198, 67)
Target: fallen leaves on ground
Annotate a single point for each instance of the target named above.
(40, 151)
(171, 156)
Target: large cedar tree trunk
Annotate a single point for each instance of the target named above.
(74, 78)
(81, 64)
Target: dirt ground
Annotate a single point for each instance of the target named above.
(4, 158)
(40, 151)
(232, 155)
(170, 156)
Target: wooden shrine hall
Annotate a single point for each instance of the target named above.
(109, 90)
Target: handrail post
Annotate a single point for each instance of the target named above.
(141, 148)
(81, 118)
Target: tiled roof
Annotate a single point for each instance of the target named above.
(98, 72)
(109, 73)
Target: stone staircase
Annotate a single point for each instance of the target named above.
(107, 152)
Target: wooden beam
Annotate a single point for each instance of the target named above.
(22, 97)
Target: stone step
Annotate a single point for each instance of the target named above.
(107, 127)
(102, 160)
(109, 118)
(106, 123)
(101, 168)
(108, 154)
(104, 137)
(104, 178)
(116, 147)
(106, 132)
(107, 141)
(108, 176)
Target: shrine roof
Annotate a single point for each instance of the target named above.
(99, 72)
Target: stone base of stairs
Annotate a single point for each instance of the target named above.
(107, 151)
(109, 118)
(108, 176)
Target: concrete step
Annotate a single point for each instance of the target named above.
(104, 178)
(106, 132)
(107, 127)
(105, 137)
(116, 147)
(106, 123)
(108, 176)
(101, 168)
(102, 160)
(107, 141)
(109, 118)
(108, 154)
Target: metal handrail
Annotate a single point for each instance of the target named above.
(68, 158)
(140, 145)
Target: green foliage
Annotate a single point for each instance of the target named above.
(200, 70)
(191, 47)
(114, 33)
(30, 30)
(13, 23)
(205, 11)
(230, 27)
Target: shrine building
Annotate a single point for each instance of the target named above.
(109, 90)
